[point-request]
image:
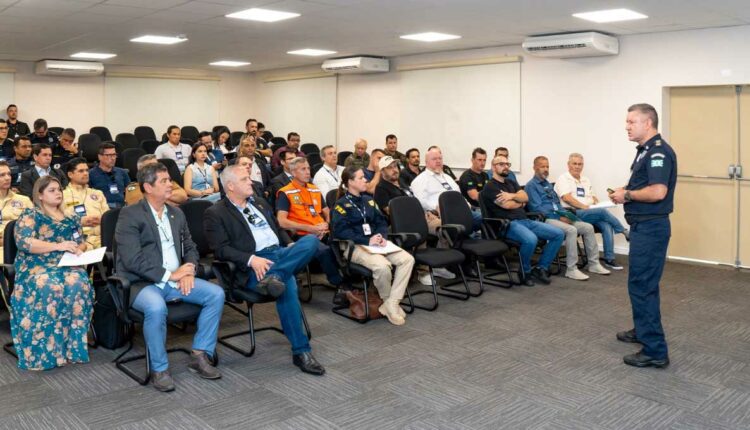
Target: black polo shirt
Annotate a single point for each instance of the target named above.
(407, 176)
(7, 151)
(490, 192)
(655, 163)
(50, 139)
(386, 191)
(471, 180)
(18, 129)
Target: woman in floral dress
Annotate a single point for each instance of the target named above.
(50, 306)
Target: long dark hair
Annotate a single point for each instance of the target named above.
(346, 176)
(194, 149)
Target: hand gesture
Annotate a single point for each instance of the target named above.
(260, 266)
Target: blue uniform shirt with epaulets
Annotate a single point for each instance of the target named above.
(655, 163)
(347, 219)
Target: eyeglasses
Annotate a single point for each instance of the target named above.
(501, 164)
(3, 128)
(109, 155)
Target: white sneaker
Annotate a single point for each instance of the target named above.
(425, 279)
(390, 311)
(598, 269)
(575, 274)
(443, 273)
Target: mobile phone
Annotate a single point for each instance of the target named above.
(610, 190)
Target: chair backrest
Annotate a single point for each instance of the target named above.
(314, 158)
(310, 148)
(127, 140)
(331, 198)
(57, 130)
(267, 136)
(174, 171)
(235, 137)
(455, 210)
(447, 170)
(343, 155)
(144, 132)
(102, 132)
(407, 216)
(314, 169)
(9, 243)
(108, 224)
(277, 142)
(89, 145)
(194, 211)
(189, 132)
(130, 158)
(217, 128)
(150, 145)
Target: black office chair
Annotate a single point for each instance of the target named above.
(150, 145)
(331, 199)
(174, 171)
(235, 138)
(456, 228)
(118, 151)
(130, 158)
(107, 226)
(57, 130)
(216, 129)
(8, 278)
(89, 144)
(447, 170)
(194, 211)
(276, 143)
(314, 169)
(310, 148)
(102, 132)
(127, 140)
(341, 158)
(409, 231)
(144, 132)
(189, 132)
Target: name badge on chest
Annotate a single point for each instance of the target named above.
(366, 229)
(447, 186)
(313, 212)
(76, 235)
(80, 210)
(113, 189)
(178, 155)
(580, 192)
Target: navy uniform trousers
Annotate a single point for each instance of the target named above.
(648, 251)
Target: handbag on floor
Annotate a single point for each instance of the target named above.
(357, 303)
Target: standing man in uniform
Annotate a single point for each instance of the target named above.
(16, 128)
(648, 201)
(5, 143)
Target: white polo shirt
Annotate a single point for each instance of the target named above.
(428, 186)
(580, 189)
(327, 179)
(180, 154)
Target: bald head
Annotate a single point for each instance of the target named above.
(433, 159)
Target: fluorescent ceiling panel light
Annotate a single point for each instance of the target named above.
(263, 15)
(311, 52)
(93, 55)
(229, 63)
(610, 15)
(159, 40)
(430, 36)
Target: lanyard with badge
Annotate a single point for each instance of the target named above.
(254, 219)
(365, 225)
(311, 205)
(205, 176)
(335, 178)
(3, 208)
(445, 185)
(178, 155)
(113, 188)
(80, 208)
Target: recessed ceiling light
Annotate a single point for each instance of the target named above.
(264, 15)
(430, 36)
(311, 52)
(93, 55)
(610, 15)
(229, 63)
(160, 40)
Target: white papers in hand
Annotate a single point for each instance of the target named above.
(389, 248)
(604, 204)
(86, 258)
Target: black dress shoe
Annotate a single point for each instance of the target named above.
(639, 359)
(627, 336)
(271, 285)
(308, 364)
(339, 298)
(541, 275)
(526, 280)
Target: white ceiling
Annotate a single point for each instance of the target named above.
(31, 30)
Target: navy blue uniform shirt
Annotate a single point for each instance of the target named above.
(50, 139)
(112, 184)
(351, 213)
(655, 163)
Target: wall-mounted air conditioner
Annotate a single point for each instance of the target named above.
(357, 65)
(571, 45)
(68, 68)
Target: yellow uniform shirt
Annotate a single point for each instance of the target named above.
(10, 209)
(86, 201)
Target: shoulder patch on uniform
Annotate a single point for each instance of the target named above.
(658, 143)
(347, 205)
(657, 162)
(658, 155)
(131, 188)
(340, 210)
(372, 202)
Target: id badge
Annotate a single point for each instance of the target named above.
(209, 186)
(580, 192)
(80, 210)
(76, 235)
(447, 186)
(1, 217)
(178, 155)
(366, 229)
(113, 189)
(257, 221)
(313, 212)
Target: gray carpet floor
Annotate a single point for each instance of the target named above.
(541, 358)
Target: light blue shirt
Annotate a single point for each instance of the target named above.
(262, 232)
(42, 172)
(170, 262)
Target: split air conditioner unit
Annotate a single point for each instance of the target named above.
(68, 68)
(357, 65)
(572, 45)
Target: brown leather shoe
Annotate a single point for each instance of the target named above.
(201, 364)
(162, 381)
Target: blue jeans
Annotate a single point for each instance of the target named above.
(152, 301)
(476, 219)
(528, 232)
(608, 224)
(286, 263)
(328, 263)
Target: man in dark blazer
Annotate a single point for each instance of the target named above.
(42, 159)
(285, 177)
(242, 229)
(156, 253)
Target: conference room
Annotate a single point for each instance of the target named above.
(223, 235)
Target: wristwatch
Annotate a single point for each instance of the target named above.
(627, 196)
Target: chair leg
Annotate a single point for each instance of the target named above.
(490, 278)
(479, 278)
(251, 331)
(343, 310)
(10, 349)
(459, 295)
(120, 362)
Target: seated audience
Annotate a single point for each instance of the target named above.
(155, 249)
(7, 144)
(391, 149)
(42, 135)
(372, 171)
(42, 160)
(328, 176)
(67, 149)
(51, 306)
(412, 169)
(576, 193)
(133, 193)
(389, 187)
(260, 172)
(201, 181)
(359, 158)
(503, 151)
(16, 128)
(223, 141)
(214, 157)
(110, 180)
(356, 217)
(173, 149)
(285, 177)
(301, 209)
(11, 204)
(473, 180)
(292, 145)
(247, 163)
(252, 129)
(504, 198)
(21, 161)
(542, 198)
(85, 202)
(242, 229)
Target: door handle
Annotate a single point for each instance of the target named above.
(730, 171)
(738, 171)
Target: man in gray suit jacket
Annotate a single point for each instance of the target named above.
(156, 253)
(42, 160)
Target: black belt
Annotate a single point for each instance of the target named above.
(636, 218)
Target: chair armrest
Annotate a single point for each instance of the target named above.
(496, 226)
(348, 249)
(401, 238)
(223, 270)
(452, 233)
(119, 289)
(536, 216)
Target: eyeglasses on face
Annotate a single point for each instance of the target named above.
(501, 164)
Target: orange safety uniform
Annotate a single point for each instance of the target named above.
(304, 205)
